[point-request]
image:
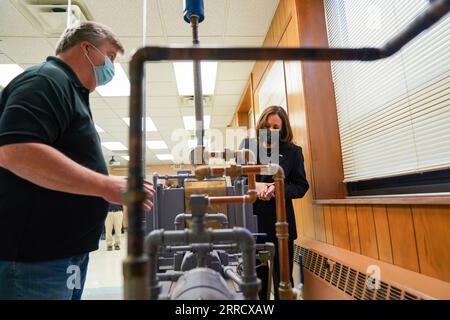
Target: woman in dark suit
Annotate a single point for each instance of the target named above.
(275, 120)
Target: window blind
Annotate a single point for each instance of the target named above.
(394, 114)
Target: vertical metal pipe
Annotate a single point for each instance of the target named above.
(198, 91)
(282, 232)
(135, 265)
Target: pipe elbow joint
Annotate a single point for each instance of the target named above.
(244, 238)
(202, 172)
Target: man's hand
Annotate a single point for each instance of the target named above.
(116, 186)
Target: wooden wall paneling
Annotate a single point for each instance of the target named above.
(242, 119)
(367, 232)
(321, 104)
(383, 233)
(353, 230)
(299, 217)
(308, 216)
(319, 223)
(432, 229)
(297, 115)
(328, 224)
(341, 237)
(401, 226)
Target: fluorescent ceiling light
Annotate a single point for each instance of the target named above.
(184, 74)
(164, 156)
(114, 146)
(149, 125)
(119, 86)
(157, 144)
(126, 158)
(8, 72)
(99, 129)
(189, 122)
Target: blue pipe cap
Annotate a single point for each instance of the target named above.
(193, 7)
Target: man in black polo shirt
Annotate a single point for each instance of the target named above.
(54, 185)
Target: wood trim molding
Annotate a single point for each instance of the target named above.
(415, 200)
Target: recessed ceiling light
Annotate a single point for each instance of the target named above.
(149, 125)
(119, 86)
(126, 158)
(114, 146)
(157, 144)
(189, 122)
(99, 129)
(164, 156)
(8, 72)
(184, 76)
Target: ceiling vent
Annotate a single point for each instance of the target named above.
(188, 101)
(50, 16)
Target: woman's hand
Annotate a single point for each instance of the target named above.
(269, 192)
(265, 191)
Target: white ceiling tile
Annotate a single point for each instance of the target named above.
(240, 41)
(165, 102)
(113, 102)
(26, 50)
(223, 110)
(234, 70)
(125, 17)
(187, 41)
(191, 111)
(98, 103)
(164, 112)
(226, 100)
(254, 17)
(5, 60)
(13, 22)
(158, 89)
(230, 87)
(131, 44)
(160, 72)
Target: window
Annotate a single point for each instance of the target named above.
(394, 114)
(273, 89)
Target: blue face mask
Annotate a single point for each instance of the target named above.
(103, 73)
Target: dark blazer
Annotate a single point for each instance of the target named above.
(295, 184)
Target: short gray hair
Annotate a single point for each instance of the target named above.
(90, 31)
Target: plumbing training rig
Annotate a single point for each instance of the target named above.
(141, 278)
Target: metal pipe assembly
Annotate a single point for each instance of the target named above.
(140, 265)
(286, 290)
(199, 234)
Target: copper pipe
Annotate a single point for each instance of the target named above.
(282, 231)
(250, 197)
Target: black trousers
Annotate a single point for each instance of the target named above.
(263, 272)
